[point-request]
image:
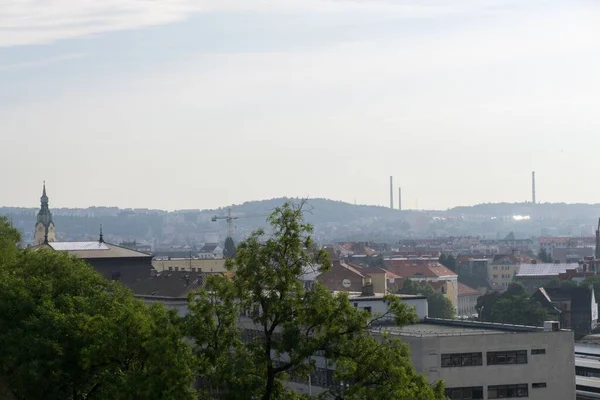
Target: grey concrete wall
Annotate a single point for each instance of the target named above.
(556, 368)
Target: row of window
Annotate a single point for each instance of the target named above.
(589, 372)
(493, 391)
(493, 358)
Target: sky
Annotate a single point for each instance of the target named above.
(194, 104)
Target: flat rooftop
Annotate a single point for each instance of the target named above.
(433, 327)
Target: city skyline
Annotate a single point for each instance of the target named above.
(187, 105)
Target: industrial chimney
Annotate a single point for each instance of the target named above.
(533, 187)
(400, 198)
(391, 192)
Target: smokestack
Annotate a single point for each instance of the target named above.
(391, 192)
(597, 252)
(533, 187)
(400, 198)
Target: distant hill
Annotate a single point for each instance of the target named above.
(332, 220)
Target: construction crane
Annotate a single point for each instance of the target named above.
(229, 218)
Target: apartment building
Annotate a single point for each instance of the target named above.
(587, 371)
(502, 270)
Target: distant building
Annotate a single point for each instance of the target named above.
(342, 277)
(426, 270)
(502, 270)
(576, 305)
(112, 261)
(170, 284)
(535, 275)
(133, 245)
(189, 265)
(211, 250)
(571, 254)
(467, 300)
(44, 227)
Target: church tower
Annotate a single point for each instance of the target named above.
(44, 227)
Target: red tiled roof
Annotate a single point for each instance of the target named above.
(378, 270)
(464, 290)
(429, 271)
(352, 268)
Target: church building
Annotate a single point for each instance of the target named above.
(112, 261)
(44, 227)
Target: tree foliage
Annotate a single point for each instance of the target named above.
(229, 248)
(544, 256)
(285, 325)
(513, 306)
(67, 333)
(439, 306)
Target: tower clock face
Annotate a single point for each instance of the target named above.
(346, 283)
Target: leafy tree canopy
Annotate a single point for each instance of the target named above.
(514, 306)
(67, 333)
(439, 306)
(229, 248)
(286, 325)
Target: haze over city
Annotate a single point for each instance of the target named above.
(200, 104)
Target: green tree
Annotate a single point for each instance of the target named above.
(520, 310)
(287, 325)
(375, 261)
(9, 239)
(229, 248)
(439, 306)
(544, 256)
(67, 333)
(595, 282)
(514, 306)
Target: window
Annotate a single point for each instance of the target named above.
(507, 357)
(538, 385)
(538, 351)
(461, 360)
(465, 393)
(585, 371)
(510, 391)
(368, 309)
(495, 276)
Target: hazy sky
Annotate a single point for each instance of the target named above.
(199, 104)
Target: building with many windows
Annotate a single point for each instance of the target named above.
(502, 269)
(587, 371)
(482, 360)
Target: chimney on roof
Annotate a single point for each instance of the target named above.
(367, 289)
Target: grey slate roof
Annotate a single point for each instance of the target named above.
(93, 249)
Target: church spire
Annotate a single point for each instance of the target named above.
(101, 239)
(44, 198)
(44, 227)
